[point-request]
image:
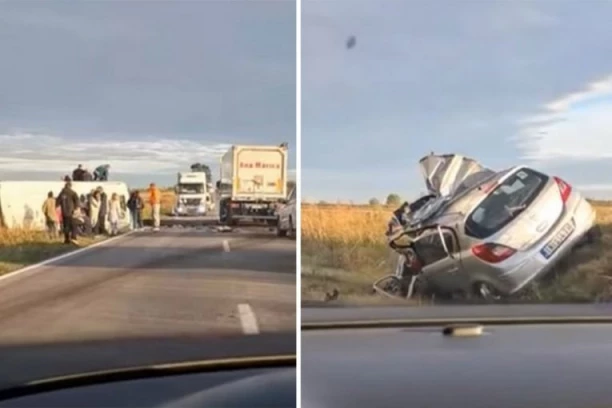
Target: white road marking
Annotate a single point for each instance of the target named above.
(226, 246)
(63, 256)
(248, 320)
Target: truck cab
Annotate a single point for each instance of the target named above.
(192, 195)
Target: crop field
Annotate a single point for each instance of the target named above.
(343, 248)
(167, 202)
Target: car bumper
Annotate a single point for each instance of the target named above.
(189, 211)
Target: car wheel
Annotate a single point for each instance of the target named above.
(594, 235)
(279, 231)
(292, 228)
(486, 292)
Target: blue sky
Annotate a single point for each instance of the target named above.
(149, 87)
(505, 82)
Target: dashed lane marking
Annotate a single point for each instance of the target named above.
(248, 320)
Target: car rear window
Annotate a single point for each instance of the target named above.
(505, 203)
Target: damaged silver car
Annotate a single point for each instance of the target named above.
(483, 232)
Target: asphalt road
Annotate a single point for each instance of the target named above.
(175, 282)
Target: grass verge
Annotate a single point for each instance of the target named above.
(20, 248)
(343, 248)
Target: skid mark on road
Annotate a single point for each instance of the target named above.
(248, 320)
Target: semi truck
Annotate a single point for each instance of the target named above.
(192, 194)
(252, 182)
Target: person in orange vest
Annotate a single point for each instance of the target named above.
(155, 201)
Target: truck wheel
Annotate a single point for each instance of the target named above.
(223, 213)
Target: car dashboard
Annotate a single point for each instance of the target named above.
(507, 364)
(232, 389)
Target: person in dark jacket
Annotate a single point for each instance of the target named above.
(101, 228)
(68, 201)
(101, 172)
(79, 173)
(135, 205)
(87, 176)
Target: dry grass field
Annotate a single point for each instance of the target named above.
(20, 247)
(343, 248)
(167, 202)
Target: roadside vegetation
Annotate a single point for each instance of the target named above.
(168, 198)
(22, 247)
(343, 249)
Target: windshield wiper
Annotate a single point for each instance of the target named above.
(514, 211)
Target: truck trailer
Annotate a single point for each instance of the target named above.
(253, 181)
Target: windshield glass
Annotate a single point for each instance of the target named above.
(105, 104)
(191, 188)
(412, 120)
(504, 203)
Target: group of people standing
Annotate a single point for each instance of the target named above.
(88, 215)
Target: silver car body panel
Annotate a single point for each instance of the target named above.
(538, 234)
(443, 173)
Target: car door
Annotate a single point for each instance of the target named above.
(288, 210)
(440, 256)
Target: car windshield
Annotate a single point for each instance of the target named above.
(505, 202)
(106, 107)
(191, 188)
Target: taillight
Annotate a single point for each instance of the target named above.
(492, 253)
(564, 188)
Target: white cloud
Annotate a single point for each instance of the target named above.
(576, 126)
(511, 17)
(594, 187)
(32, 153)
(42, 153)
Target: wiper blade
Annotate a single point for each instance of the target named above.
(516, 210)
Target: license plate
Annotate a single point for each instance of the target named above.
(551, 247)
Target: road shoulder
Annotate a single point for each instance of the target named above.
(23, 253)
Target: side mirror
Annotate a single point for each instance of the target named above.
(441, 234)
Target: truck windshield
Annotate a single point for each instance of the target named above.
(190, 188)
